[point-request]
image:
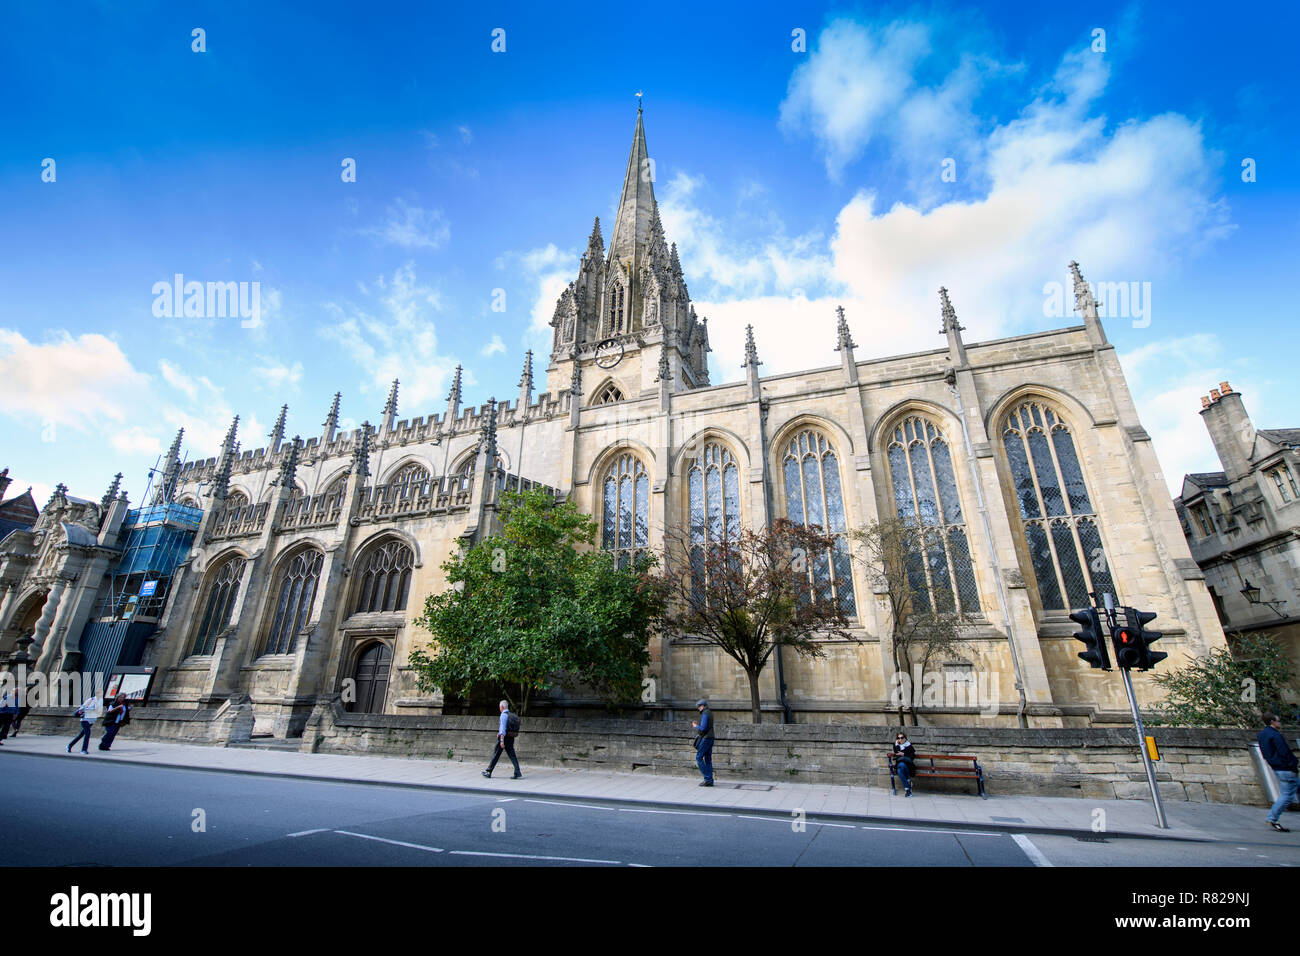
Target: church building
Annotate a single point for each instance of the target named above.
(310, 558)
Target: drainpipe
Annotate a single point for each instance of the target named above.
(951, 381)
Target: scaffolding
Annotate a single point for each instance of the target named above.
(157, 538)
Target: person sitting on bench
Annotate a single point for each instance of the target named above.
(905, 758)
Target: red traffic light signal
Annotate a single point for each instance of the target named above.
(1092, 636)
(1133, 641)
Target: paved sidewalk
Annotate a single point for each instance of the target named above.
(1188, 821)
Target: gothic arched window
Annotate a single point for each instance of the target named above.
(625, 517)
(609, 393)
(1059, 522)
(713, 487)
(293, 600)
(925, 492)
(408, 477)
(236, 499)
(385, 577)
(223, 589)
(813, 497)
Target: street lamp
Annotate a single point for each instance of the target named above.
(1251, 594)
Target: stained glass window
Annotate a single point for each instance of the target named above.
(925, 491)
(385, 577)
(297, 588)
(813, 497)
(223, 589)
(713, 487)
(625, 515)
(1061, 531)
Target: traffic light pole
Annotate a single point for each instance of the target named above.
(1108, 601)
(1142, 749)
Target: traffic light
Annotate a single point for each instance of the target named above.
(1125, 637)
(1138, 621)
(1093, 637)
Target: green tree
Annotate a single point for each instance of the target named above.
(753, 593)
(892, 553)
(1228, 688)
(535, 605)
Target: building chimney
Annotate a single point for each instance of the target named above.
(1230, 430)
(1225, 388)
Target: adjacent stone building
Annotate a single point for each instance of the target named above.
(1024, 454)
(1243, 523)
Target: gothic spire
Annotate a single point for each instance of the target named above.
(221, 479)
(171, 471)
(596, 244)
(635, 204)
(361, 452)
(289, 464)
(526, 383)
(277, 431)
(229, 442)
(1086, 303)
(950, 323)
(390, 408)
(674, 262)
(107, 500)
(751, 350)
(843, 336)
(332, 417)
(174, 453)
(488, 433)
(453, 403)
(454, 395)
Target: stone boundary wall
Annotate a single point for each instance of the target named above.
(1206, 766)
(232, 722)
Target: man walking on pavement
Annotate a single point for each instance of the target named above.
(116, 715)
(1278, 755)
(506, 732)
(89, 712)
(704, 742)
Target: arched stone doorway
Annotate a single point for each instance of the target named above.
(23, 623)
(371, 676)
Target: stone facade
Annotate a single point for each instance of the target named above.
(312, 556)
(1242, 524)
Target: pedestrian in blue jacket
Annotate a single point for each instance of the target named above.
(704, 742)
(1278, 755)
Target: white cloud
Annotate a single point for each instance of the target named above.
(179, 380)
(136, 440)
(393, 335)
(84, 382)
(1129, 201)
(277, 375)
(494, 347)
(412, 227)
(466, 135)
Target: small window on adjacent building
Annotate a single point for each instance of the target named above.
(1285, 482)
(1203, 522)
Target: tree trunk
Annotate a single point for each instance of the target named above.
(756, 708)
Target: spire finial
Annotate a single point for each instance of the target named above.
(488, 433)
(390, 406)
(639, 94)
(751, 350)
(665, 370)
(107, 500)
(361, 453)
(332, 418)
(844, 339)
(277, 431)
(950, 323)
(1083, 297)
(454, 395)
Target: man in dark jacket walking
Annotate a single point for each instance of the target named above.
(704, 742)
(114, 717)
(506, 731)
(1280, 757)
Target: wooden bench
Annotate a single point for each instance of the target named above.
(948, 766)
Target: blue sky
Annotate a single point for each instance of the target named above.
(791, 180)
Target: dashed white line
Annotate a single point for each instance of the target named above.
(413, 846)
(307, 832)
(529, 856)
(681, 813)
(1035, 855)
(931, 830)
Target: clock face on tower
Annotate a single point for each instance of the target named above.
(609, 353)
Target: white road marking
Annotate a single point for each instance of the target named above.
(307, 832)
(787, 821)
(1035, 855)
(506, 799)
(529, 856)
(565, 803)
(413, 846)
(682, 813)
(931, 830)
